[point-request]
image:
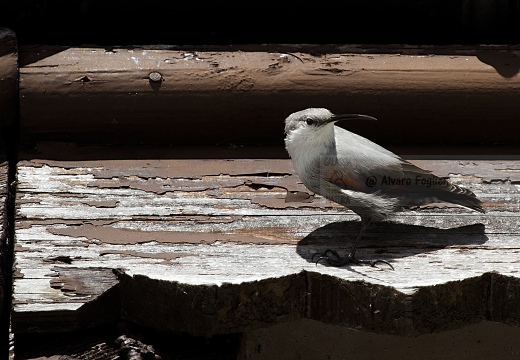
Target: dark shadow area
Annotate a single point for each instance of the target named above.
(507, 64)
(62, 151)
(69, 151)
(121, 341)
(9, 136)
(223, 22)
(389, 239)
(31, 54)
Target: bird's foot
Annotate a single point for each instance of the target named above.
(333, 258)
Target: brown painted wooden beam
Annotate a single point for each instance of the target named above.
(161, 95)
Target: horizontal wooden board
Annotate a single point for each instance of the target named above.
(169, 95)
(230, 235)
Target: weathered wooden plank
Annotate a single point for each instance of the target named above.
(65, 298)
(4, 191)
(148, 95)
(215, 232)
(5, 256)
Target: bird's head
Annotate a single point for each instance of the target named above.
(310, 122)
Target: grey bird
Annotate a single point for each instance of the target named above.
(359, 174)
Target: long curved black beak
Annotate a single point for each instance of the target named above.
(339, 117)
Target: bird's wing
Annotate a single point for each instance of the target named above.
(360, 164)
(367, 167)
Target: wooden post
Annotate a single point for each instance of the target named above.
(5, 259)
(8, 112)
(8, 77)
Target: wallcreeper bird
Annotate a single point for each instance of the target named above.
(361, 175)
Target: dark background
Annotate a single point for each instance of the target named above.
(192, 22)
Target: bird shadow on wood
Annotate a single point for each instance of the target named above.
(389, 240)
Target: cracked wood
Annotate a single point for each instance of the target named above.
(238, 231)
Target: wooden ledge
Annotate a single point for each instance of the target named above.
(220, 246)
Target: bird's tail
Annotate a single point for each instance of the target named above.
(461, 196)
(436, 189)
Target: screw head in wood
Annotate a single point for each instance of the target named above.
(155, 76)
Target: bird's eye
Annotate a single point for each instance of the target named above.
(309, 121)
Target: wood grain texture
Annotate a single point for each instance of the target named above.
(162, 95)
(218, 246)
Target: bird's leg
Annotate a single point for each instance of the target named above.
(334, 259)
(351, 256)
(364, 226)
